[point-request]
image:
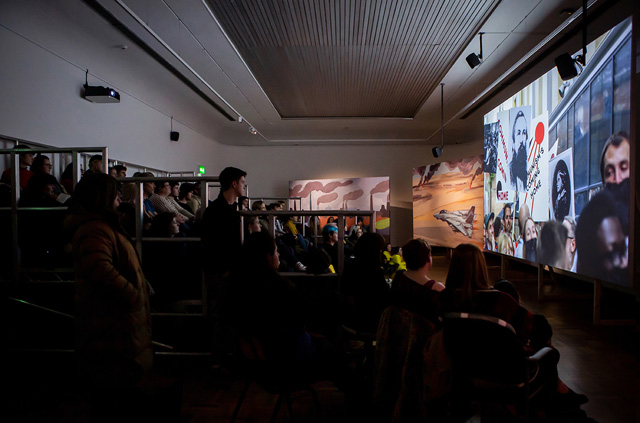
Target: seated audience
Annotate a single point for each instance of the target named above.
(195, 203)
(26, 160)
(121, 171)
(148, 189)
(364, 284)
(252, 224)
(162, 202)
(42, 165)
(358, 226)
(259, 205)
(387, 251)
(167, 265)
(468, 290)
(277, 222)
(175, 190)
(395, 262)
(184, 195)
(412, 288)
(243, 203)
(66, 179)
(330, 243)
(41, 231)
(43, 190)
(262, 304)
(95, 165)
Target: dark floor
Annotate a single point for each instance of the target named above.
(597, 361)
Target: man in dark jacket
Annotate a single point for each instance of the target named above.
(221, 242)
(221, 224)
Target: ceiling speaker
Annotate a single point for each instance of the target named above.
(174, 135)
(473, 60)
(566, 66)
(437, 151)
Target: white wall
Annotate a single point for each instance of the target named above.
(45, 51)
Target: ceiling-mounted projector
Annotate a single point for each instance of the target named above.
(99, 94)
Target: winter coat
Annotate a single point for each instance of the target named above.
(113, 319)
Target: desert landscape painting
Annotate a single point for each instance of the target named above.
(448, 202)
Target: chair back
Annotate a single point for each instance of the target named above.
(485, 348)
(399, 363)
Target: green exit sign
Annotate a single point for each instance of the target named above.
(201, 170)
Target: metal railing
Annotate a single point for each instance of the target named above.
(14, 154)
(205, 182)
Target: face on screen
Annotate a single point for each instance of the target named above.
(530, 230)
(616, 163)
(520, 132)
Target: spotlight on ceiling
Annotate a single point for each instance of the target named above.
(252, 130)
(569, 67)
(437, 151)
(475, 59)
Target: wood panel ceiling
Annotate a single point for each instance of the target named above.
(350, 58)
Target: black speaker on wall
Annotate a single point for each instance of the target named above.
(566, 66)
(174, 135)
(473, 60)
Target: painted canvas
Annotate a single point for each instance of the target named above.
(345, 194)
(448, 202)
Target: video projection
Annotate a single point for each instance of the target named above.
(557, 155)
(346, 194)
(447, 202)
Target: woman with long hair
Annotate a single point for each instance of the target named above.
(468, 290)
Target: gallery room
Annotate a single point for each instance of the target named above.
(319, 210)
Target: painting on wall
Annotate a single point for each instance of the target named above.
(448, 202)
(345, 194)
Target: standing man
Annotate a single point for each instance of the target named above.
(221, 243)
(221, 224)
